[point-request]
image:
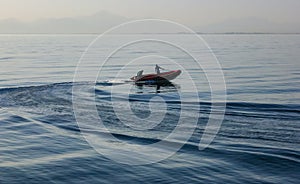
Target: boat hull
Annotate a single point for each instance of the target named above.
(165, 76)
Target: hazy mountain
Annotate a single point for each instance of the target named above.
(101, 21)
(96, 23)
(249, 25)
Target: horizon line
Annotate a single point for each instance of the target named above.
(214, 33)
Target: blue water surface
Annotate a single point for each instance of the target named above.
(258, 141)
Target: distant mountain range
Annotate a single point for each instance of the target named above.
(250, 25)
(96, 23)
(102, 21)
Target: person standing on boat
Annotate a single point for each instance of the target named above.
(157, 69)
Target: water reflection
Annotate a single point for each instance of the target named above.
(156, 87)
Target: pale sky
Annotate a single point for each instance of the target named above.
(270, 15)
(184, 11)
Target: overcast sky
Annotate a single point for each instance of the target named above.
(189, 12)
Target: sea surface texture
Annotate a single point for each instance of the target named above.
(42, 142)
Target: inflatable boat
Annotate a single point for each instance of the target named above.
(164, 76)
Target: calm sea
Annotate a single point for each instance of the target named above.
(41, 142)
